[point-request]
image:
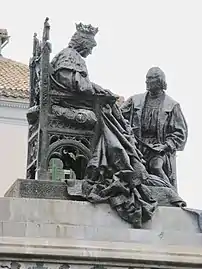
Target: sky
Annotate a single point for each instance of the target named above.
(133, 36)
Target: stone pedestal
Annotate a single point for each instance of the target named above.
(40, 189)
(46, 189)
(65, 234)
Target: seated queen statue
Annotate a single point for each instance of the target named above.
(115, 172)
(69, 68)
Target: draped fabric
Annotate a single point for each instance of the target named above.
(171, 127)
(115, 172)
(70, 72)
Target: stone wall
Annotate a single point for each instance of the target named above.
(53, 234)
(13, 141)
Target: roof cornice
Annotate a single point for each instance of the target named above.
(15, 103)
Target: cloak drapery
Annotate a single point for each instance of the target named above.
(171, 127)
(115, 173)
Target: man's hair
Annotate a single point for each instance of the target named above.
(158, 73)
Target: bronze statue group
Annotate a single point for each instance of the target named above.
(133, 165)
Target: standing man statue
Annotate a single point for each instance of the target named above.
(158, 125)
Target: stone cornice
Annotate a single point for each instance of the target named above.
(13, 121)
(13, 112)
(7, 102)
(81, 251)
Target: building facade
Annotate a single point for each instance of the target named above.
(14, 101)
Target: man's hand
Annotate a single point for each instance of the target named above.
(160, 148)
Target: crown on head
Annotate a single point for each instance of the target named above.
(86, 29)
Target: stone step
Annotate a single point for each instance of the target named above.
(113, 234)
(68, 212)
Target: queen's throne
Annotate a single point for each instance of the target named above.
(63, 126)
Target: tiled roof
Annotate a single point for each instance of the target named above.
(14, 79)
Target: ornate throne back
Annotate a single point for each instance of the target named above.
(62, 125)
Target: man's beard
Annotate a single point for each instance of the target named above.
(154, 87)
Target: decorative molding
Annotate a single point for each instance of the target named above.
(110, 253)
(14, 103)
(13, 112)
(13, 121)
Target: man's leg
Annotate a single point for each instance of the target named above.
(156, 168)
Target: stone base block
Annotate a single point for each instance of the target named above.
(61, 214)
(37, 253)
(40, 189)
(52, 233)
(46, 189)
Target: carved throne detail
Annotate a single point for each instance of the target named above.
(62, 125)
